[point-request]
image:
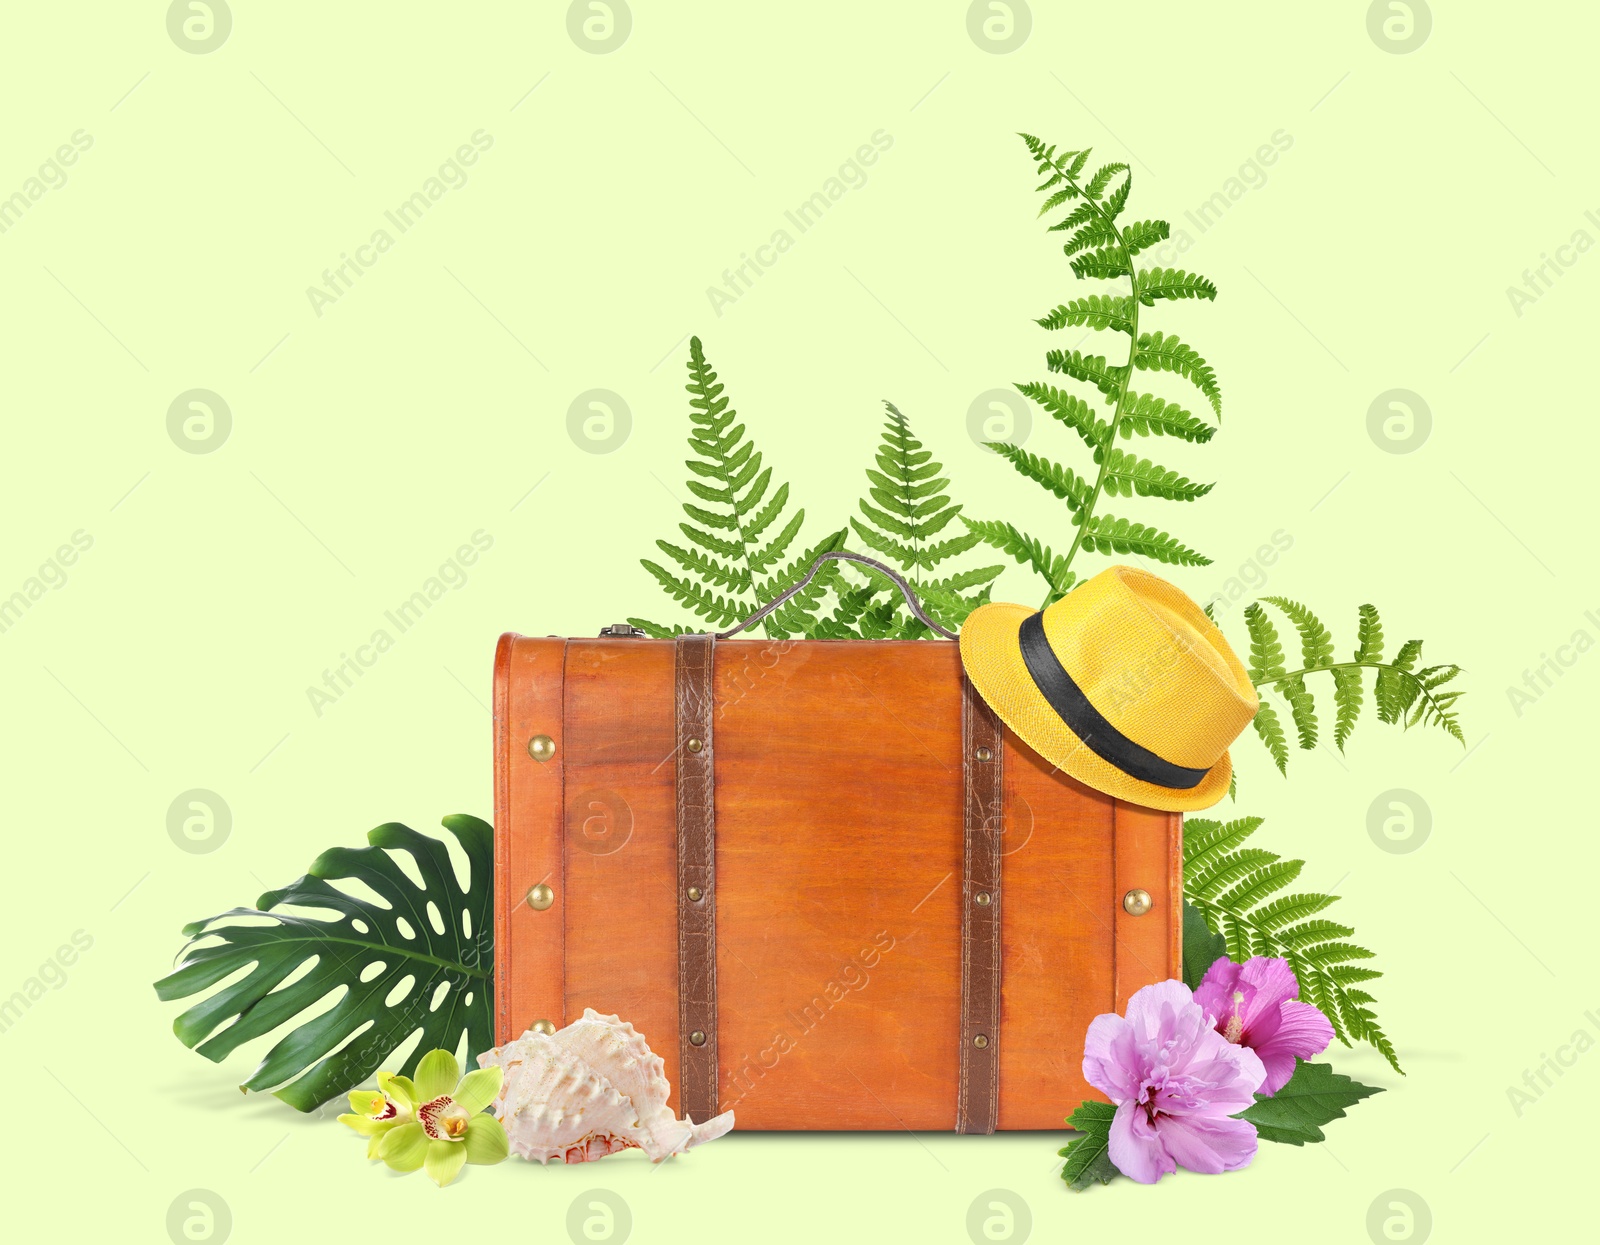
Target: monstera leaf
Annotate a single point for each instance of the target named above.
(422, 958)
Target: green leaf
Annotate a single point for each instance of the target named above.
(1302, 708)
(1163, 352)
(1096, 232)
(1111, 535)
(1347, 700)
(1205, 840)
(1097, 311)
(743, 525)
(1315, 1095)
(364, 952)
(903, 521)
(1401, 693)
(1270, 731)
(1316, 643)
(657, 631)
(1150, 416)
(1088, 1154)
(1236, 889)
(798, 615)
(1100, 249)
(1070, 409)
(1091, 368)
(1060, 480)
(1369, 636)
(1266, 652)
(1201, 947)
(1154, 283)
(1141, 235)
(1101, 179)
(1106, 264)
(1027, 550)
(702, 601)
(1127, 475)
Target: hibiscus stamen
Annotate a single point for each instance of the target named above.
(1235, 1027)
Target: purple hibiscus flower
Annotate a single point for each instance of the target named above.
(1254, 1004)
(1176, 1082)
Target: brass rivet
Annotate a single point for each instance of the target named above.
(695, 893)
(982, 899)
(541, 747)
(981, 1041)
(541, 897)
(697, 1038)
(1136, 902)
(543, 1026)
(694, 745)
(983, 754)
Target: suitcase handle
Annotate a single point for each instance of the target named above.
(840, 555)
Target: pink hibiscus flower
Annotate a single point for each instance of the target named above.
(1176, 1082)
(1255, 1004)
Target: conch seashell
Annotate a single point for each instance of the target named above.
(590, 1090)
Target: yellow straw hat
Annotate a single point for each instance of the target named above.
(1123, 683)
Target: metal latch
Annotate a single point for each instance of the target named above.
(626, 631)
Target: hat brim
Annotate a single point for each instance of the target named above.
(992, 657)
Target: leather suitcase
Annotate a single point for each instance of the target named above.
(827, 886)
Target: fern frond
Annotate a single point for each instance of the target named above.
(975, 577)
(1204, 841)
(1097, 233)
(737, 517)
(1302, 708)
(1270, 731)
(1111, 535)
(710, 571)
(1101, 248)
(1106, 264)
(1027, 550)
(1316, 643)
(1369, 635)
(908, 511)
(1127, 474)
(704, 603)
(1151, 416)
(1154, 283)
(898, 551)
(1402, 694)
(1266, 653)
(1070, 409)
(1083, 212)
(1060, 480)
(1097, 311)
(1102, 178)
(714, 544)
(1237, 890)
(1119, 198)
(1347, 701)
(658, 632)
(1431, 707)
(769, 554)
(1163, 352)
(798, 615)
(1141, 235)
(1088, 367)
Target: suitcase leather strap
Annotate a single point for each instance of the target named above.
(978, 1094)
(697, 934)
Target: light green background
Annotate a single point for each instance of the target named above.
(369, 442)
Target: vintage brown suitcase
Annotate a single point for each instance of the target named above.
(818, 876)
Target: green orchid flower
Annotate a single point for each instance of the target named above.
(435, 1121)
(375, 1111)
